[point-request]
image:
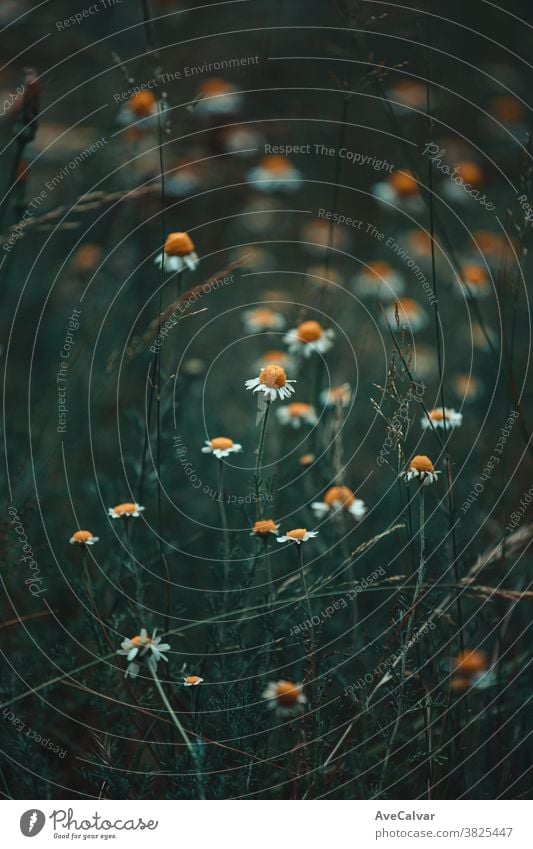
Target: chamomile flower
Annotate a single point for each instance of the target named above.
(470, 662)
(339, 498)
(83, 538)
(274, 358)
(381, 279)
(306, 460)
(467, 387)
(298, 535)
(263, 527)
(296, 414)
(407, 313)
(318, 236)
(284, 697)
(336, 396)
(263, 319)
(309, 336)
(273, 382)
(192, 681)
(407, 97)
(437, 416)
(141, 109)
(221, 446)
(464, 177)
(125, 511)
(217, 97)
(399, 189)
(475, 281)
(178, 253)
(422, 468)
(275, 173)
(143, 648)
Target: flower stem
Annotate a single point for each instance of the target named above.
(223, 522)
(259, 504)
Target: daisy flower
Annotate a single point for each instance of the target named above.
(242, 140)
(297, 414)
(410, 314)
(379, 278)
(465, 176)
(263, 527)
(262, 319)
(298, 535)
(467, 387)
(475, 280)
(192, 680)
(125, 510)
(221, 446)
(470, 662)
(142, 647)
(318, 236)
(275, 172)
(322, 276)
(178, 253)
(336, 396)
(421, 467)
(306, 460)
(406, 96)
(284, 697)
(83, 538)
(339, 498)
(309, 336)
(272, 381)
(399, 189)
(141, 108)
(453, 419)
(274, 358)
(183, 180)
(217, 97)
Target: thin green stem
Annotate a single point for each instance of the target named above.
(259, 503)
(223, 521)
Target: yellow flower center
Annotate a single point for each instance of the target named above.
(82, 536)
(264, 526)
(470, 173)
(379, 270)
(421, 463)
(179, 244)
(475, 275)
(142, 104)
(339, 495)
(287, 693)
(306, 459)
(404, 183)
(263, 317)
(470, 661)
(299, 409)
(309, 331)
(408, 307)
(276, 164)
(297, 533)
(273, 377)
(125, 509)
(214, 86)
(436, 415)
(221, 443)
(140, 641)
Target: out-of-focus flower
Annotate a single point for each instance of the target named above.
(142, 109)
(408, 313)
(263, 527)
(490, 244)
(339, 498)
(274, 173)
(221, 446)
(296, 414)
(274, 358)
(298, 535)
(470, 661)
(192, 680)
(217, 97)
(83, 538)
(336, 396)
(399, 189)
(318, 236)
(476, 281)
(87, 257)
(467, 387)
(125, 511)
(306, 460)
(263, 319)
(466, 176)
(408, 93)
(142, 647)
(379, 279)
(273, 382)
(178, 253)
(508, 110)
(437, 416)
(284, 697)
(422, 468)
(184, 179)
(425, 364)
(320, 275)
(308, 337)
(242, 140)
